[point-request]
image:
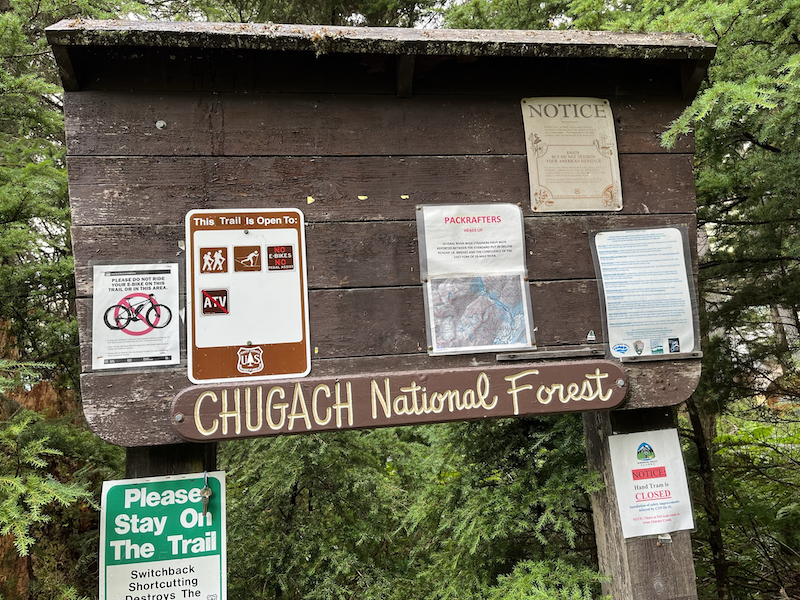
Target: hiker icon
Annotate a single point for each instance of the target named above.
(215, 260)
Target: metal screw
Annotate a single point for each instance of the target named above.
(178, 417)
(247, 231)
(620, 382)
(161, 124)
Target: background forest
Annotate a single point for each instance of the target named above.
(478, 510)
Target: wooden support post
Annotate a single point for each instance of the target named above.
(174, 459)
(640, 568)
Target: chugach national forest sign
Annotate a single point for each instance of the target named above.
(203, 413)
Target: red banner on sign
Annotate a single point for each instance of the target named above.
(654, 473)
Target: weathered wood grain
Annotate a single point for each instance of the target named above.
(133, 408)
(317, 39)
(125, 124)
(357, 160)
(375, 254)
(426, 404)
(254, 71)
(161, 190)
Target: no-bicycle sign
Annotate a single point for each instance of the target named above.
(159, 542)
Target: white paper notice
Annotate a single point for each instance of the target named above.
(650, 481)
(646, 292)
(135, 316)
(472, 260)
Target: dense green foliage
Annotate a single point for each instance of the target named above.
(25, 490)
(374, 13)
(743, 419)
(50, 470)
(474, 510)
(50, 475)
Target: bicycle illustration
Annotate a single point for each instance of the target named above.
(148, 310)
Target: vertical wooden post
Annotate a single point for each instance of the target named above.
(640, 568)
(174, 459)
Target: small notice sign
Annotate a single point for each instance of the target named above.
(135, 316)
(247, 299)
(280, 258)
(645, 281)
(472, 263)
(163, 537)
(650, 481)
(573, 161)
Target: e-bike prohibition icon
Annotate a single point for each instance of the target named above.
(131, 309)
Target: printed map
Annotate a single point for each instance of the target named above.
(478, 312)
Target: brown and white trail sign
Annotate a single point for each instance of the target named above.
(246, 295)
(355, 128)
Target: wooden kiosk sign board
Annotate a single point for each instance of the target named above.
(355, 128)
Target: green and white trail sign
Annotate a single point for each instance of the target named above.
(159, 542)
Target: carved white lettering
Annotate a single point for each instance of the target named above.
(282, 406)
(269, 412)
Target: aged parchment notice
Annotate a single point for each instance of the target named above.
(573, 162)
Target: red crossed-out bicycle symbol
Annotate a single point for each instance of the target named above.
(137, 314)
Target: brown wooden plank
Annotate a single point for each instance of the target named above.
(160, 190)
(172, 459)
(249, 71)
(133, 408)
(174, 124)
(601, 78)
(641, 122)
(371, 400)
(356, 255)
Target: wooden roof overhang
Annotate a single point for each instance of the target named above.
(90, 53)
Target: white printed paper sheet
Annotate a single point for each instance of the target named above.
(647, 297)
(650, 482)
(472, 263)
(135, 320)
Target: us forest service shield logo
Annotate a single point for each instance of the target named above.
(250, 360)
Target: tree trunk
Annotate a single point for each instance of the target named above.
(175, 459)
